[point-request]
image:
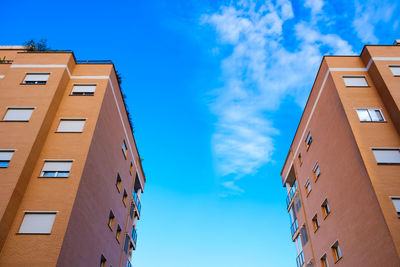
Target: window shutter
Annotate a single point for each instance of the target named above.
(57, 166)
(395, 70)
(6, 155)
(37, 223)
(355, 81)
(18, 114)
(387, 156)
(71, 126)
(33, 77)
(84, 88)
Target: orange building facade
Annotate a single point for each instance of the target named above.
(70, 173)
(342, 172)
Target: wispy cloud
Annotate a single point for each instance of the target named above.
(368, 14)
(260, 71)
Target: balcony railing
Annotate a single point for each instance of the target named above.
(300, 259)
(6, 61)
(134, 235)
(291, 194)
(294, 227)
(128, 264)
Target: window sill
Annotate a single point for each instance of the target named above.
(316, 229)
(373, 121)
(110, 227)
(307, 193)
(14, 121)
(33, 233)
(326, 215)
(32, 83)
(338, 260)
(356, 86)
(68, 132)
(52, 177)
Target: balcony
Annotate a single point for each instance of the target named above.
(138, 204)
(294, 227)
(300, 259)
(134, 236)
(291, 194)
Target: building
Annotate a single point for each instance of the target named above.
(71, 176)
(342, 171)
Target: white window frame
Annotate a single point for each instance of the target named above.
(396, 207)
(308, 187)
(5, 157)
(22, 227)
(308, 139)
(347, 81)
(124, 149)
(18, 108)
(397, 162)
(37, 82)
(81, 92)
(316, 167)
(396, 73)
(56, 173)
(68, 120)
(371, 114)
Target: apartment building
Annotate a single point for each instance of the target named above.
(70, 173)
(342, 172)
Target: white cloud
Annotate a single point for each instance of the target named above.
(314, 5)
(257, 75)
(368, 14)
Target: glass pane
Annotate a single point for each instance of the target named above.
(49, 174)
(378, 114)
(4, 164)
(363, 115)
(62, 174)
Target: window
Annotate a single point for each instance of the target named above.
(118, 233)
(118, 183)
(71, 125)
(337, 253)
(131, 169)
(83, 89)
(124, 149)
(315, 222)
(36, 78)
(370, 114)
(5, 158)
(37, 223)
(18, 114)
(307, 187)
(355, 81)
(56, 169)
(299, 159)
(396, 203)
(308, 140)
(297, 203)
(316, 171)
(326, 210)
(126, 246)
(111, 219)
(324, 261)
(125, 198)
(132, 210)
(395, 70)
(310, 263)
(103, 261)
(304, 235)
(387, 155)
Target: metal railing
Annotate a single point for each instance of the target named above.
(134, 235)
(294, 227)
(300, 259)
(291, 194)
(6, 61)
(128, 264)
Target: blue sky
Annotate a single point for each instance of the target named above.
(216, 90)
